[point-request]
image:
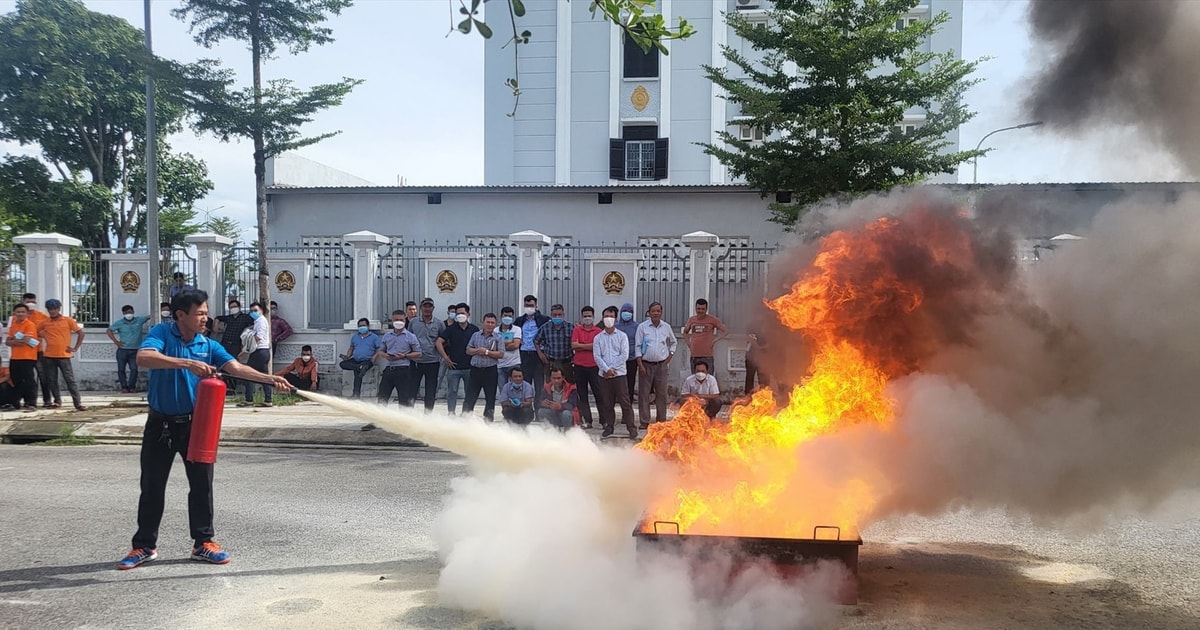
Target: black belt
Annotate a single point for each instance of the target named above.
(187, 417)
(654, 362)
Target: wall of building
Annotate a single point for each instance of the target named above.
(633, 213)
(290, 169)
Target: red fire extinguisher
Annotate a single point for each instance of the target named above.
(206, 421)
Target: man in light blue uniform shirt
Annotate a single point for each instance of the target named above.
(178, 355)
(127, 334)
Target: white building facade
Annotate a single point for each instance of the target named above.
(595, 110)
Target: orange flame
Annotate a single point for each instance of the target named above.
(853, 308)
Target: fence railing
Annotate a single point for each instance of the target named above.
(663, 276)
(12, 278)
(739, 284)
(331, 289)
(91, 303)
(493, 275)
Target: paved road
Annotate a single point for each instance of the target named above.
(313, 531)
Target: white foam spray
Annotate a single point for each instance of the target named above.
(541, 537)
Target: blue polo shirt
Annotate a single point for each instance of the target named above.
(173, 392)
(364, 346)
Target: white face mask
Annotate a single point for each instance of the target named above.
(460, 318)
(529, 310)
(587, 321)
(31, 305)
(306, 358)
(700, 376)
(233, 310)
(166, 314)
(398, 325)
(128, 317)
(609, 322)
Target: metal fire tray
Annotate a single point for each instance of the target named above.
(790, 556)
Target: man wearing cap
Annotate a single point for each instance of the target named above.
(427, 328)
(57, 350)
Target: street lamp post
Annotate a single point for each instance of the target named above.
(975, 160)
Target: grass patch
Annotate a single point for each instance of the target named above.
(279, 399)
(67, 437)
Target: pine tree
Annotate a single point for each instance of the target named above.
(834, 81)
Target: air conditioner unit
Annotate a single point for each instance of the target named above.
(744, 5)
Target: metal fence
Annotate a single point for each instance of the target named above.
(663, 276)
(739, 283)
(331, 289)
(91, 302)
(12, 278)
(493, 275)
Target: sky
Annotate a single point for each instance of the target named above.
(419, 113)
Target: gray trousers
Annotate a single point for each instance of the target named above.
(654, 379)
(50, 369)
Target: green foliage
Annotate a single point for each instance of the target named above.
(646, 29)
(835, 79)
(225, 226)
(39, 203)
(183, 181)
(67, 437)
(72, 83)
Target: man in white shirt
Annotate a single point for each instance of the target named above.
(702, 386)
(654, 348)
(611, 349)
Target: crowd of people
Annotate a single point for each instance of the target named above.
(533, 366)
(539, 366)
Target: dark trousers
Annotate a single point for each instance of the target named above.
(47, 398)
(517, 415)
(51, 367)
(429, 373)
(535, 372)
(299, 382)
(712, 407)
(127, 362)
(613, 392)
(161, 440)
(359, 368)
(24, 377)
(258, 361)
(653, 380)
(394, 378)
(752, 370)
(482, 378)
(587, 378)
(631, 376)
(8, 396)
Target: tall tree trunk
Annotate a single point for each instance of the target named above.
(260, 174)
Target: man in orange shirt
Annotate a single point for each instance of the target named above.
(57, 351)
(8, 395)
(23, 339)
(37, 317)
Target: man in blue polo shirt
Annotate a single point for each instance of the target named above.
(178, 355)
(360, 356)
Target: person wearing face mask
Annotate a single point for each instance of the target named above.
(452, 346)
(360, 356)
(702, 387)
(427, 328)
(611, 350)
(36, 317)
(23, 342)
(530, 321)
(127, 334)
(302, 373)
(256, 346)
(486, 348)
(627, 324)
(233, 323)
(587, 375)
(398, 348)
(510, 334)
(553, 342)
(164, 312)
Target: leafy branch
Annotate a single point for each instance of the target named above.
(647, 30)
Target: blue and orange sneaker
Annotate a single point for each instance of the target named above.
(137, 557)
(210, 552)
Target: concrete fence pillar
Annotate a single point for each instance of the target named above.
(366, 263)
(529, 261)
(48, 267)
(293, 275)
(210, 268)
(700, 262)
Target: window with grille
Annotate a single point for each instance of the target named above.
(908, 128)
(750, 133)
(907, 21)
(639, 155)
